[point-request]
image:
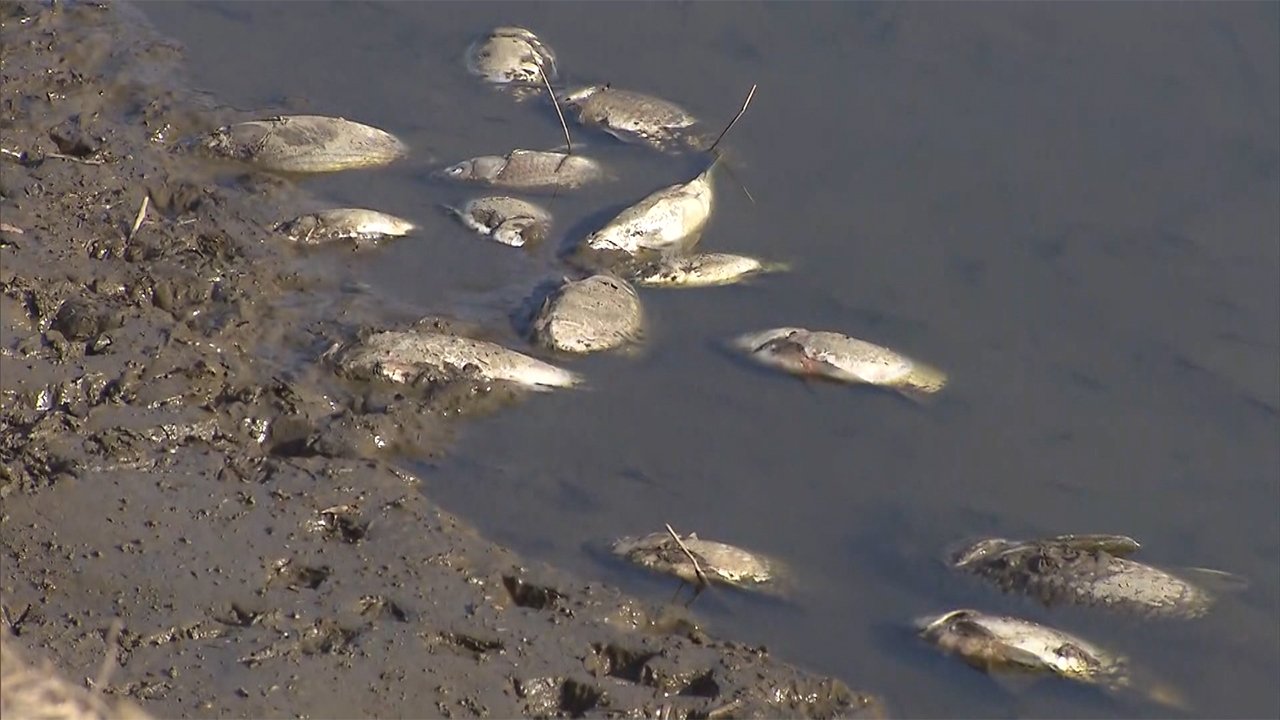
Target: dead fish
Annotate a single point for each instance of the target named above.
(511, 55)
(700, 270)
(1090, 570)
(601, 312)
(508, 220)
(529, 170)
(720, 563)
(344, 224)
(668, 218)
(405, 356)
(304, 144)
(840, 357)
(632, 116)
(1002, 644)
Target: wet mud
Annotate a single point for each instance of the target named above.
(175, 456)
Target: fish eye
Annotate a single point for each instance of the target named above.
(456, 170)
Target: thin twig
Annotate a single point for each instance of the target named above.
(72, 158)
(735, 119)
(556, 103)
(697, 569)
(741, 184)
(109, 662)
(142, 215)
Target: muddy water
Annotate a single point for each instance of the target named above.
(1071, 208)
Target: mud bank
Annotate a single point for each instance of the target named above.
(173, 455)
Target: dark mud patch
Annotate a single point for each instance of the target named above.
(175, 455)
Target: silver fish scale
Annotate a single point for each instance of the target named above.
(1057, 573)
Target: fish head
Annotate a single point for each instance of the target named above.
(478, 169)
(579, 96)
(980, 551)
(756, 341)
(929, 625)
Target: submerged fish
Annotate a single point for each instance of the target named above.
(668, 218)
(700, 270)
(995, 644)
(304, 144)
(508, 220)
(1091, 570)
(344, 224)
(528, 169)
(597, 313)
(406, 356)
(511, 55)
(631, 116)
(720, 563)
(840, 357)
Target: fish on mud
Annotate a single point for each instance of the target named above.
(601, 312)
(511, 55)
(528, 170)
(700, 270)
(633, 116)
(719, 562)
(668, 219)
(356, 224)
(1002, 644)
(304, 144)
(1087, 570)
(508, 220)
(410, 355)
(839, 357)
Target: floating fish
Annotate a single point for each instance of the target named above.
(1090, 570)
(632, 116)
(601, 312)
(511, 55)
(406, 356)
(700, 270)
(529, 170)
(304, 144)
(720, 563)
(670, 218)
(840, 357)
(344, 224)
(997, 644)
(508, 220)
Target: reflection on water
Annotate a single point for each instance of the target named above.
(1070, 208)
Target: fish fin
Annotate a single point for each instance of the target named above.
(1118, 545)
(1216, 581)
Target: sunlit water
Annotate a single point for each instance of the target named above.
(1072, 208)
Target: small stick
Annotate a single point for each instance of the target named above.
(109, 662)
(72, 158)
(697, 569)
(142, 215)
(563, 125)
(735, 119)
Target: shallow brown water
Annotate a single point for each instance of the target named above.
(1071, 208)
